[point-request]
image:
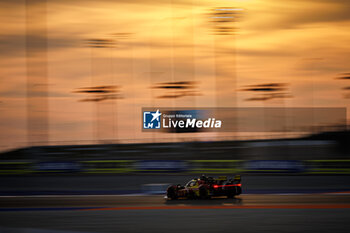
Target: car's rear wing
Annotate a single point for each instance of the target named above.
(222, 178)
(237, 179)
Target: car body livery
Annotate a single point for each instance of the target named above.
(206, 187)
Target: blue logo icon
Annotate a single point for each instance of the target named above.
(151, 120)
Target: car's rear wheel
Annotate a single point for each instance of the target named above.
(239, 190)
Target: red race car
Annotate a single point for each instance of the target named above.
(206, 187)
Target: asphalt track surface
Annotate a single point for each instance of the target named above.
(113, 213)
(268, 204)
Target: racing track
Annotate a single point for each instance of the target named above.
(304, 204)
(248, 213)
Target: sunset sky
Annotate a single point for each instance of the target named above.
(302, 46)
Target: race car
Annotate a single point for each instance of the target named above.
(206, 187)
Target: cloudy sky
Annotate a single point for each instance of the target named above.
(291, 53)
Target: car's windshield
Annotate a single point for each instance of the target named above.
(191, 183)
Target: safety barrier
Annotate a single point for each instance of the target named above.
(154, 166)
(15, 168)
(108, 166)
(312, 167)
(341, 166)
(215, 166)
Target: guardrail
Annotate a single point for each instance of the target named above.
(328, 166)
(215, 166)
(311, 167)
(108, 166)
(15, 168)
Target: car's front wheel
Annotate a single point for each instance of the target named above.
(171, 193)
